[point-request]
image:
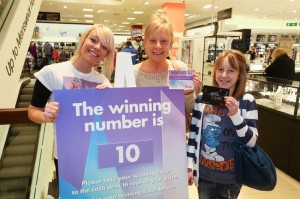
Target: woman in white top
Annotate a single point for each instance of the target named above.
(95, 45)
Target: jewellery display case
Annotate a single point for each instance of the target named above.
(278, 94)
(278, 120)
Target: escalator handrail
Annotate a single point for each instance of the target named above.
(14, 116)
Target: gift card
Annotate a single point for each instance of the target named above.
(181, 79)
(214, 95)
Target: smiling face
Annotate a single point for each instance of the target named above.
(92, 50)
(230, 72)
(158, 45)
(226, 76)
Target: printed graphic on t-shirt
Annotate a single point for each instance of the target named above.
(76, 83)
(217, 135)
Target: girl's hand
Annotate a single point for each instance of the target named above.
(101, 86)
(51, 111)
(232, 104)
(197, 83)
(190, 177)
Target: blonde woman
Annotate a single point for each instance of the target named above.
(158, 40)
(282, 66)
(95, 45)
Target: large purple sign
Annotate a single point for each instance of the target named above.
(121, 143)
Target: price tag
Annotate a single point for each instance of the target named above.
(125, 154)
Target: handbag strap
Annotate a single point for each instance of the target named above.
(240, 102)
(174, 64)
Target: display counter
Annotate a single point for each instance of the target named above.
(278, 120)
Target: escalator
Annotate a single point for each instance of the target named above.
(18, 157)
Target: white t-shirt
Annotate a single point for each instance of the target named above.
(65, 76)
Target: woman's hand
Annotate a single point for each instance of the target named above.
(232, 104)
(102, 86)
(51, 111)
(197, 83)
(190, 177)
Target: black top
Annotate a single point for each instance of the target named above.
(40, 95)
(283, 67)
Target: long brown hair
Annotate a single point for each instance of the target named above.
(237, 61)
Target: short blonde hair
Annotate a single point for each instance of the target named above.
(237, 61)
(159, 21)
(106, 38)
(278, 52)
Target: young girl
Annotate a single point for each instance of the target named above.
(214, 129)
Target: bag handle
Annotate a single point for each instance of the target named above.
(175, 65)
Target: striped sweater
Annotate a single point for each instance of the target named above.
(244, 123)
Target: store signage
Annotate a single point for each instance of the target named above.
(13, 60)
(136, 32)
(224, 14)
(49, 16)
(119, 143)
(292, 24)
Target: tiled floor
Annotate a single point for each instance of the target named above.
(286, 188)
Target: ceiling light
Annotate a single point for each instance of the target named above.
(146, 3)
(131, 18)
(125, 22)
(256, 9)
(121, 26)
(207, 6)
(87, 10)
(100, 11)
(138, 12)
(89, 21)
(88, 16)
(65, 7)
(74, 20)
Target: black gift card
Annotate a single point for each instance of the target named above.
(214, 95)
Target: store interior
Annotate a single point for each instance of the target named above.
(257, 33)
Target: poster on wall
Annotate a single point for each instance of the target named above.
(272, 38)
(284, 36)
(136, 32)
(260, 38)
(187, 52)
(119, 143)
(296, 39)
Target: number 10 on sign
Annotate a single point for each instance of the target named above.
(125, 154)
